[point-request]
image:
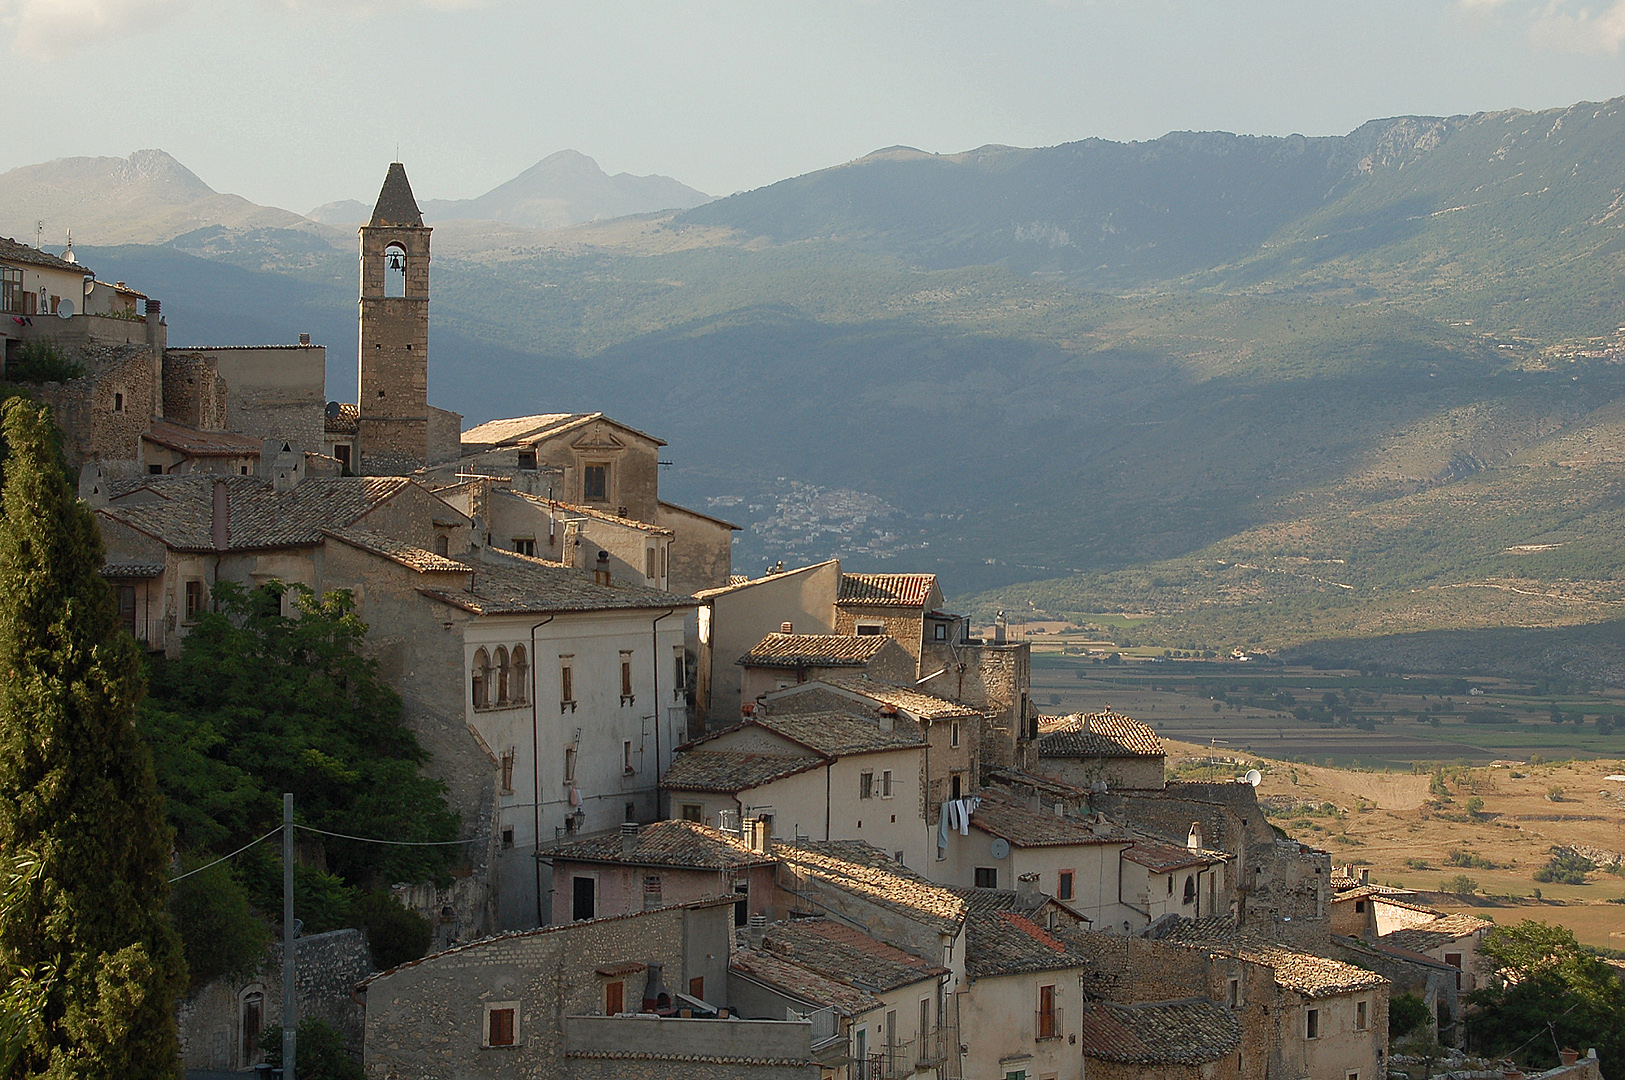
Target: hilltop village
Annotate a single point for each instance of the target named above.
(798, 825)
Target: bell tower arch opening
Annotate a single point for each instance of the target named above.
(392, 400)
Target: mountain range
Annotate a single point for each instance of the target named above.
(1258, 390)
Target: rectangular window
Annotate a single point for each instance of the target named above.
(955, 785)
(663, 551)
(569, 764)
(942, 631)
(614, 998)
(1235, 993)
(1312, 1024)
(11, 290)
(583, 898)
(649, 563)
(866, 785)
(527, 460)
(626, 757)
(953, 733)
(194, 599)
(885, 783)
(1048, 1027)
(595, 482)
(987, 877)
(118, 402)
(696, 987)
(1359, 1016)
(507, 773)
(1454, 960)
(507, 836)
(500, 1028)
(626, 678)
(693, 812)
(869, 629)
(1359, 907)
(525, 545)
(1063, 885)
(342, 452)
(126, 607)
(567, 689)
(679, 663)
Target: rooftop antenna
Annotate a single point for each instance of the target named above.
(39, 235)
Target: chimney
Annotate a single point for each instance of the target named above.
(1027, 889)
(758, 931)
(629, 838)
(761, 837)
(1194, 840)
(1000, 628)
(155, 322)
(1365, 875)
(655, 995)
(787, 628)
(220, 518)
(600, 573)
(304, 339)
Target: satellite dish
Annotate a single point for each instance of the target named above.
(1000, 847)
(1253, 777)
(64, 310)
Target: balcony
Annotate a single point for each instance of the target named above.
(1049, 1023)
(891, 1062)
(933, 1046)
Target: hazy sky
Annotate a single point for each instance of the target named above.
(297, 102)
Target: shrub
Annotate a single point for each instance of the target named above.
(1406, 1013)
(1458, 857)
(1475, 806)
(1460, 885)
(220, 933)
(1565, 868)
(41, 361)
(397, 934)
(319, 1053)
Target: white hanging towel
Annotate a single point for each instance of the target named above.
(942, 825)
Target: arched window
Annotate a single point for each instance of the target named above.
(482, 679)
(1190, 889)
(521, 672)
(501, 678)
(394, 270)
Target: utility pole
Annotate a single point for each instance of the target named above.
(290, 1023)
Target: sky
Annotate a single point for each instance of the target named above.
(295, 103)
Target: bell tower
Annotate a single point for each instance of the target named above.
(392, 402)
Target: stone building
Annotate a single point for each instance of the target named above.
(906, 607)
(668, 862)
(1100, 748)
(627, 996)
(785, 658)
(824, 775)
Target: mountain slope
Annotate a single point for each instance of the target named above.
(147, 198)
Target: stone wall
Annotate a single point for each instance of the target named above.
(194, 393)
(427, 1019)
(997, 680)
(328, 967)
(392, 429)
(701, 551)
(270, 391)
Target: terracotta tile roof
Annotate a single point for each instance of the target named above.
(1307, 974)
(260, 516)
(847, 955)
(680, 844)
(839, 734)
(1101, 734)
(693, 1059)
(569, 509)
(737, 581)
(856, 867)
(506, 583)
(814, 650)
(1194, 1031)
(1162, 858)
(983, 901)
(1441, 931)
(13, 252)
(529, 429)
(1359, 892)
(885, 590)
(1008, 943)
(919, 705)
(802, 982)
(1002, 814)
(720, 770)
(201, 443)
(343, 420)
(132, 571)
(397, 551)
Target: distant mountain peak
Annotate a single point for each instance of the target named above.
(158, 165)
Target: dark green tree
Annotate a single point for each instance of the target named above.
(259, 703)
(321, 1054)
(1551, 989)
(76, 787)
(220, 932)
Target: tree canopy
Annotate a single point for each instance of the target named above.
(77, 793)
(1551, 993)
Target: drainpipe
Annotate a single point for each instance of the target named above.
(827, 769)
(654, 641)
(536, 767)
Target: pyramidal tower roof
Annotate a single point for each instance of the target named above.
(396, 206)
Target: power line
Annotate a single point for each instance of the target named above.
(223, 858)
(395, 843)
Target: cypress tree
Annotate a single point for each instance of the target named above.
(76, 787)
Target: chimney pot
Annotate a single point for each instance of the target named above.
(787, 628)
(629, 837)
(1365, 876)
(1027, 888)
(758, 931)
(304, 339)
(1194, 840)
